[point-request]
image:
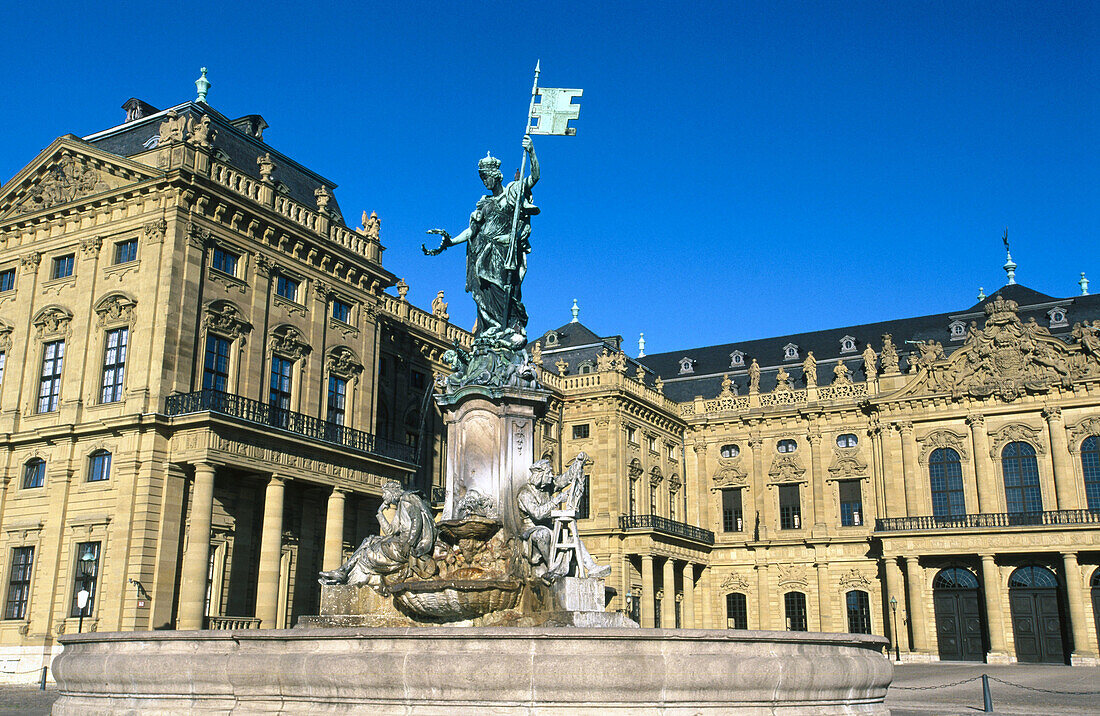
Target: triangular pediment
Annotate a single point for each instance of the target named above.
(66, 172)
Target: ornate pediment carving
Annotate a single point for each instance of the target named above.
(52, 322)
(288, 341)
(729, 474)
(67, 179)
(223, 318)
(855, 579)
(786, 467)
(343, 362)
(5, 336)
(942, 438)
(790, 574)
(847, 462)
(115, 309)
(1014, 432)
(1083, 429)
(736, 583)
(634, 469)
(1007, 358)
(655, 477)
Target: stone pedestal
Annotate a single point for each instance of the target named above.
(490, 445)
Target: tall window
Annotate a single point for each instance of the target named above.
(63, 266)
(125, 251)
(3, 356)
(85, 575)
(49, 387)
(280, 382)
(99, 466)
(633, 497)
(790, 514)
(224, 261)
(215, 371)
(731, 511)
(287, 288)
(337, 397)
(652, 499)
(584, 505)
(114, 364)
(945, 478)
(859, 612)
(737, 611)
(1090, 466)
(341, 310)
(34, 472)
(794, 604)
(851, 503)
(671, 503)
(19, 582)
(7, 280)
(1021, 477)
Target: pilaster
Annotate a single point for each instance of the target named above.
(196, 558)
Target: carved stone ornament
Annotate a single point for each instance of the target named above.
(115, 309)
(786, 467)
(736, 583)
(52, 321)
(604, 361)
(1015, 432)
(847, 462)
(790, 574)
(1007, 358)
(200, 132)
(68, 180)
(197, 235)
(855, 578)
(155, 230)
(655, 477)
(288, 341)
(322, 289)
(889, 355)
(30, 261)
(171, 129)
(634, 469)
(225, 319)
(5, 336)
(730, 475)
(942, 438)
(1081, 431)
(344, 363)
(90, 246)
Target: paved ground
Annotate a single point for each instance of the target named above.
(967, 698)
(961, 699)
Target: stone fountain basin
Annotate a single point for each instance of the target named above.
(456, 599)
(473, 672)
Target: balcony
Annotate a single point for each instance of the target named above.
(666, 526)
(989, 520)
(307, 426)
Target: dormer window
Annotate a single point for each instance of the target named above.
(958, 330)
(737, 359)
(848, 344)
(1057, 317)
(552, 338)
(790, 352)
(687, 365)
(586, 367)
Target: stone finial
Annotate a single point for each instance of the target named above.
(323, 197)
(562, 366)
(1084, 284)
(202, 85)
(981, 293)
(641, 343)
(575, 310)
(402, 289)
(267, 167)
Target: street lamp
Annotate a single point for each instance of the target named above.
(894, 608)
(84, 595)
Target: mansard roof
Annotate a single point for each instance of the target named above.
(235, 144)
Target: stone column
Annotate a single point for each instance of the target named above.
(1082, 645)
(817, 480)
(983, 464)
(271, 548)
(994, 613)
(910, 470)
(759, 486)
(688, 577)
(648, 595)
(1065, 482)
(915, 574)
(334, 530)
(196, 560)
(668, 605)
(824, 598)
(894, 590)
(763, 592)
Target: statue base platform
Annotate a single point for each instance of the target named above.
(473, 671)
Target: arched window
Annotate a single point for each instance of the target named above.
(34, 473)
(99, 466)
(737, 611)
(1032, 577)
(1021, 478)
(730, 450)
(945, 477)
(859, 612)
(847, 440)
(786, 446)
(794, 603)
(1090, 467)
(954, 578)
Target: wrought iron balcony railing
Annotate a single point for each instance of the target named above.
(257, 413)
(666, 526)
(987, 520)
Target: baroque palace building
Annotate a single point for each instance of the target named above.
(206, 376)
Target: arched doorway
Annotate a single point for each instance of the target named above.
(1036, 617)
(958, 615)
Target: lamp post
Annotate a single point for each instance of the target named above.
(894, 609)
(84, 595)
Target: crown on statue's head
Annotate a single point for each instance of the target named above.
(488, 163)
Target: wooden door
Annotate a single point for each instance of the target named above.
(1037, 625)
(959, 625)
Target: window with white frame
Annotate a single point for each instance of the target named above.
(1057, 317)
(49, 386)
(114, 365)
(958, 330)
(848, 344)
(790, 352)
(687, 365)
(737, 359)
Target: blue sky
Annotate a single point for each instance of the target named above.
(740, 169)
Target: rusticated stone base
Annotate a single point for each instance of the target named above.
(473, 671)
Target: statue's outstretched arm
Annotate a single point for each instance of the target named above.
(447, 242)
(533, 178)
